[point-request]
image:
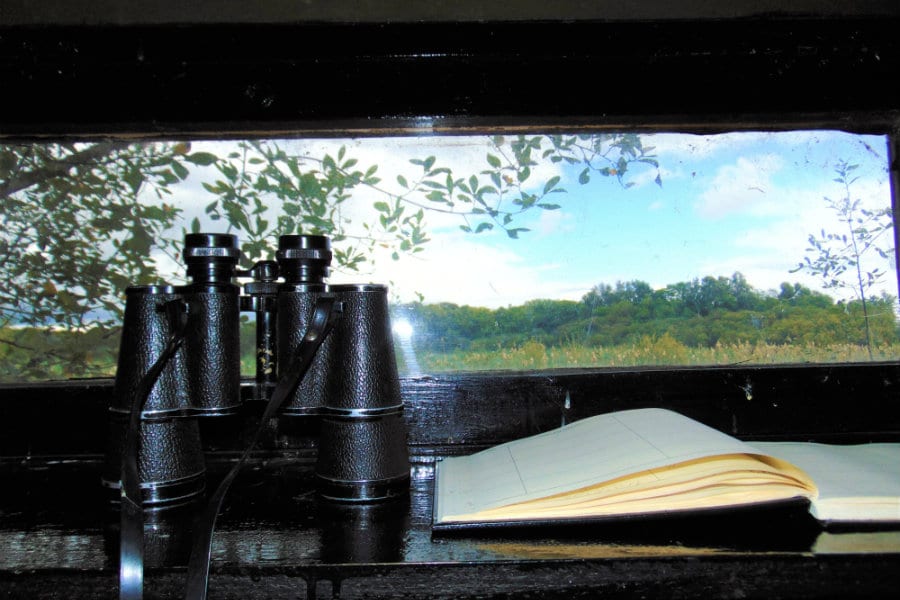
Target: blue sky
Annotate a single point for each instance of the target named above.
(733, 202)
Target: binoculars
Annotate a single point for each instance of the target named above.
(179, 362)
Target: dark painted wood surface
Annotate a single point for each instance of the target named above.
(309, 78)
(806, 402)
(276, 538)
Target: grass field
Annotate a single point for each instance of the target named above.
(648, 352)
(533, 355)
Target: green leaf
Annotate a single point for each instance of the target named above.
(493, 161)
(524, 174)
(134, 178)
(551, 183)
(585, 176)
(402, 181)
(203, 159)
(180, 170)
(514, 233)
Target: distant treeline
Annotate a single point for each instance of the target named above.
(712, 312)
(703, 312)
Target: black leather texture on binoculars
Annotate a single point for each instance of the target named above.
(367, 372)
(212, 347)
(353, 384)
(363, 458)
(145, 332)
(356, 366)
(170, 461)
(294, 309)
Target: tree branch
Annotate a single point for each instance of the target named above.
(57, 168)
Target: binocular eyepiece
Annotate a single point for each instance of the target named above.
(179, 361)
(304, 259)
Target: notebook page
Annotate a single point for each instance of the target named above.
(582, 453)
(856, 482)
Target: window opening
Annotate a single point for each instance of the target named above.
(505, 252)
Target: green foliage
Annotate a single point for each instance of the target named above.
(852, 259)
(790, 325)
(702, 313)
(60, 354)
(78, 223)
(81, 221)
(494, 197)
(646, 353)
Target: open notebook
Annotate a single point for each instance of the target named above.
(651, 461)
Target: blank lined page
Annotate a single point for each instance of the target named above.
(856, 482)
(582, 453)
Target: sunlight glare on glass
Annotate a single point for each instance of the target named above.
(403, 329)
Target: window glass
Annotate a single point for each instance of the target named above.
(511, 252)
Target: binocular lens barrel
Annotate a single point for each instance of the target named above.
(212, 344)
(170, 459)
(171, 464)
(353, 384)
(295, 304)
(146, 332)
(362, 443)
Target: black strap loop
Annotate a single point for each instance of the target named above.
(325, 314)
(131, 542)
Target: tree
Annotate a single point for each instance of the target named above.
(81, 219)
(849, 259)
(603, 294)
(78, 222)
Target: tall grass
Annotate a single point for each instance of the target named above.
(663, 351)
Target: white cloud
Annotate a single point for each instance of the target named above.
(455, 267)
(554, 222)
(739, 187)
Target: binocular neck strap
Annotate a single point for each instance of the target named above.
(325, 314)
(131, 544)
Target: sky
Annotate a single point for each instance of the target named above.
(738, 202)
